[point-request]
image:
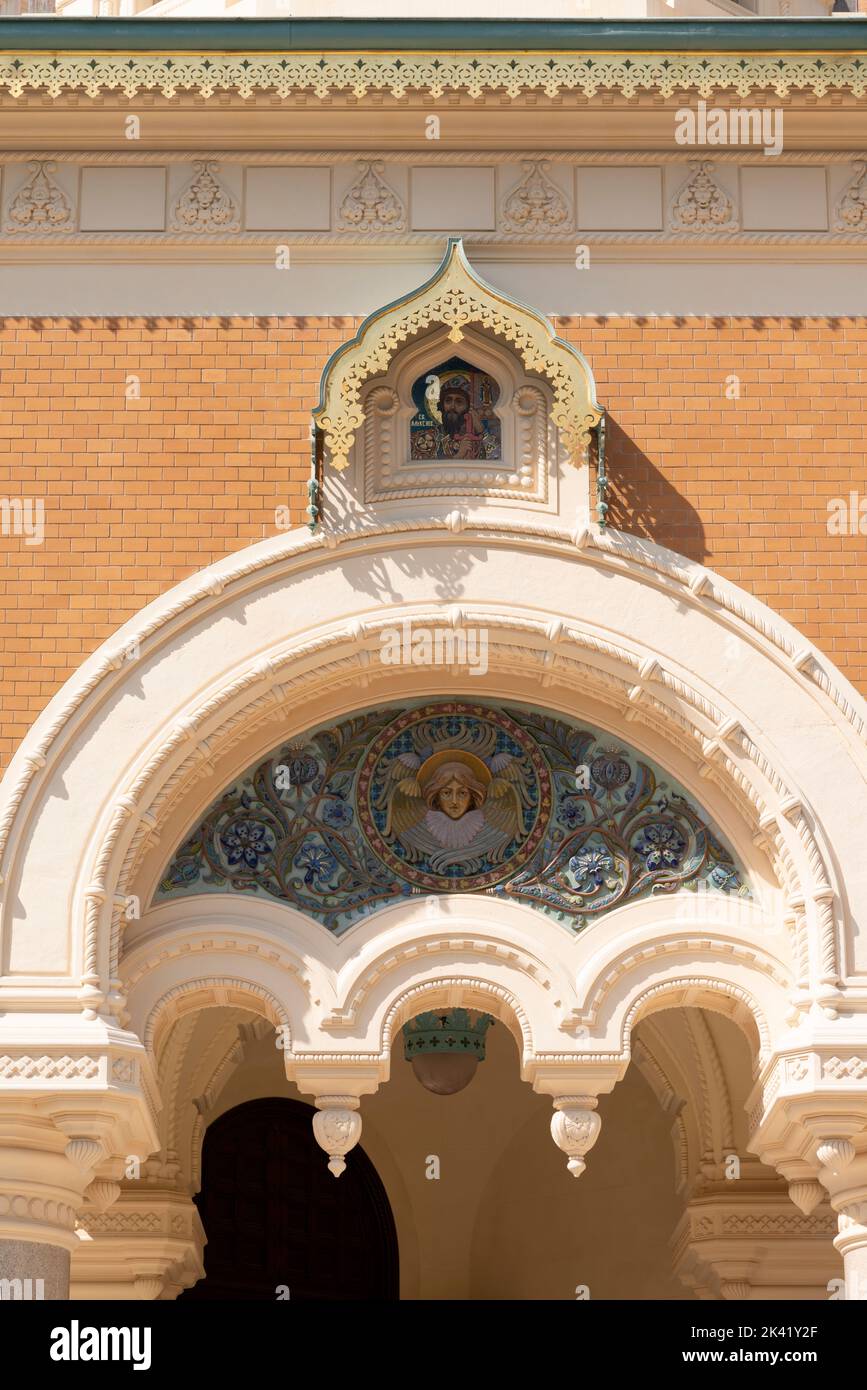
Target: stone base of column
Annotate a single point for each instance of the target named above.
(31, 1270)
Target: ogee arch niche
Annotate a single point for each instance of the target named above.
(454, 796)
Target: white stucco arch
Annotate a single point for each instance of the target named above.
(749, 719)
(770, 745)
(350, 995)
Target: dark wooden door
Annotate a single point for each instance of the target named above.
(274, 1215)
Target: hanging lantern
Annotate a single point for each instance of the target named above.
(445, 1048)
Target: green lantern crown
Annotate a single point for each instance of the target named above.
(452, 1030)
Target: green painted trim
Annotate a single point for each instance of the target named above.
(57, 35)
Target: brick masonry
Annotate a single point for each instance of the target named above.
(140, 493)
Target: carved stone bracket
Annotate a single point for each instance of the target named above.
(575, 1128)
(337, 1128)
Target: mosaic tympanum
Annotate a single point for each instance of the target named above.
(455, 796)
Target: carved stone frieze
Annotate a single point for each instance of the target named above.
(370, 205)
(205, 205)
(40, 205)
(49, 1068)
(536, 204)
(850, 214)
(701, 206)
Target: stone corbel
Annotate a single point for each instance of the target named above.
(575, 1086)
(337, 1129)
(337, 1088)
(575, 1128)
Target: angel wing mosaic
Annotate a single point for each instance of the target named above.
(453, 797)
(452, 801)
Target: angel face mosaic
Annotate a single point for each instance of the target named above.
(453, 797)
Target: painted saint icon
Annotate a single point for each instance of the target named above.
(455, 417)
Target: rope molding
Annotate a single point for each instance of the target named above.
(554, 240)
(715, 155)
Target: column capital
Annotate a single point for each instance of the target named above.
(320, 1077)
(149, 1243)
(804, 1095)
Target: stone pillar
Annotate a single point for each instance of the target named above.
(844, 1173)
(43, 1174)
(852, 1244)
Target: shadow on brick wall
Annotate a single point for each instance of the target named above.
(642, 501)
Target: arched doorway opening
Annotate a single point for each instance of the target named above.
(277, 1223)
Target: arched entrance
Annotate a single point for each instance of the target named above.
(276, 1220)
(379, 706)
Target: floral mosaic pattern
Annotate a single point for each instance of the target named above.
(453, 797)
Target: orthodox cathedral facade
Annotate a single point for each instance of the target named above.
(433, 663)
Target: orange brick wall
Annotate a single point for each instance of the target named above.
(140, 494)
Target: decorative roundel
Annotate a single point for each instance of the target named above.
(454, 797)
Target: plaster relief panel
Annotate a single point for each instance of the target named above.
(537, 198)
(370, 197)
(702, 200)
(447, 198)
(39, 198)
(849, 198)
(792, 199)
(288, 198)
(205, 198)
(118, 199)
(620, 199)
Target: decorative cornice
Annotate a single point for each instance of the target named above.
(287, 75)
